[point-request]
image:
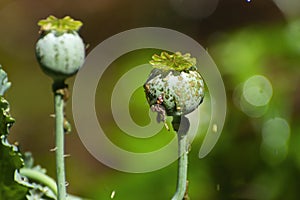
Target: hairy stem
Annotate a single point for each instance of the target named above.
(181, 126)
(58, 88)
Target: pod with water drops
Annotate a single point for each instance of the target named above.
(174, 87)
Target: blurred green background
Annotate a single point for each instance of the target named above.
(256, 46)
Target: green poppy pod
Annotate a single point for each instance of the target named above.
(174, 84)
(60, 50)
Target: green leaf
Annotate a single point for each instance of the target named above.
(10, 161)
(10, 157)
(4, 84)
(12, 184)
(6, 121)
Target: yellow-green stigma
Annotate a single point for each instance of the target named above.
(177, 61)
(67, 24)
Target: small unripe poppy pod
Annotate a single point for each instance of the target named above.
(60, 50)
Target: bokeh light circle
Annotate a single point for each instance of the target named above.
(257, 90)
(276, 132)
(275, 139)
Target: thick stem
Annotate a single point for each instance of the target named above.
(181, 126)
(58, 88)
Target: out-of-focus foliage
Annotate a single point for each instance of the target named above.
(257, 159)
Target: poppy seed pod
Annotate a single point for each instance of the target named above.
(174, 87)
(60, 50)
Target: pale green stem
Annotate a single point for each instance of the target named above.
(44, 179)
(181, 126)
(58, 88)
(39, 177)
